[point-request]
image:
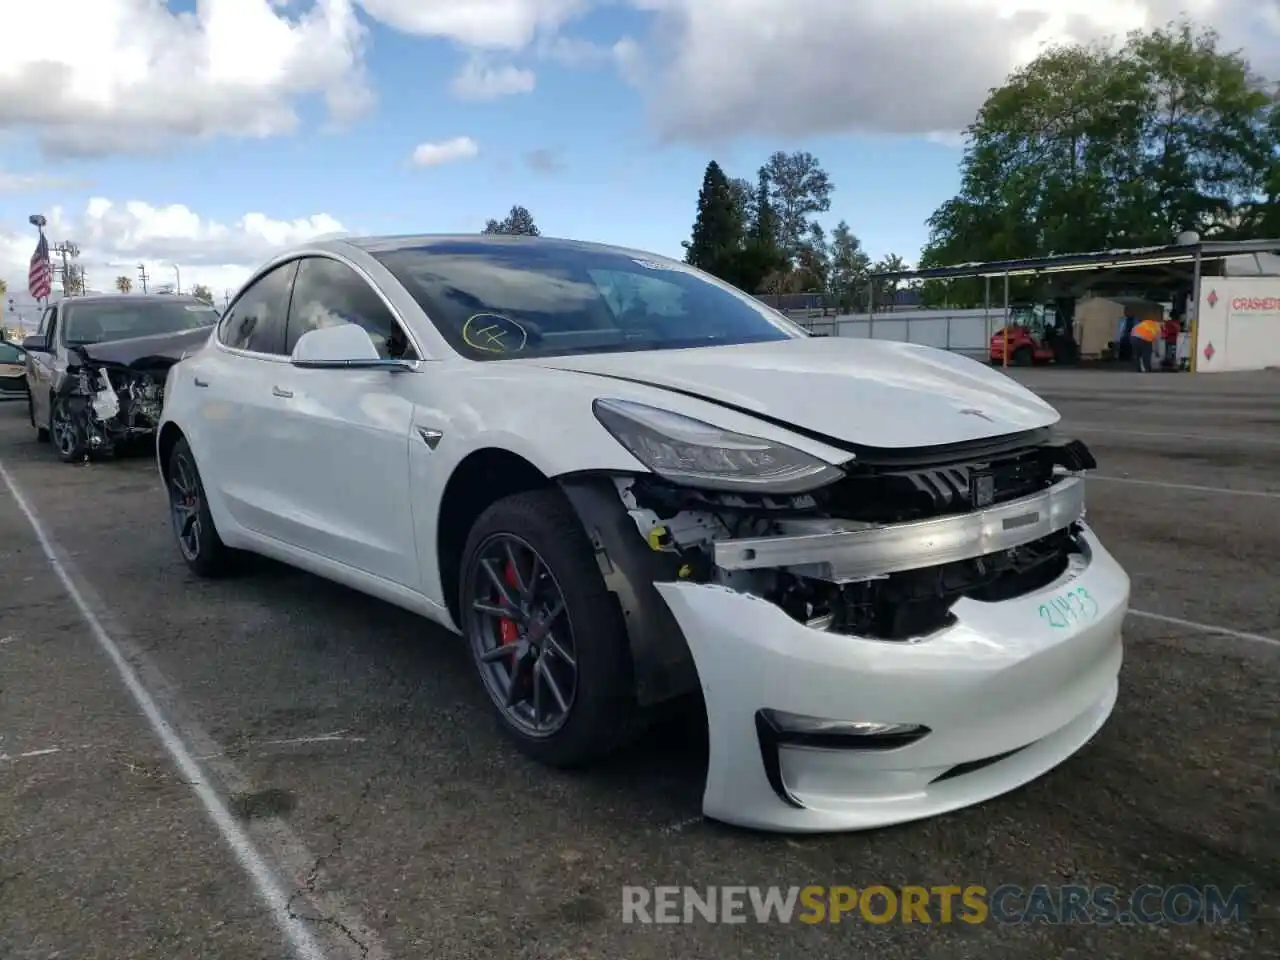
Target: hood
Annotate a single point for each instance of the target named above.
(158, 352)
(872, 393)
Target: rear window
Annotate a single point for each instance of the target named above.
(104, 322)
(501, 300)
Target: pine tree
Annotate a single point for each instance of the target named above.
(717, 231)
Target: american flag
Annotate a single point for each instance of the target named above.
(40, 275)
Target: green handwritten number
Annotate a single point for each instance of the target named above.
(1051, 616)
(1074, 606)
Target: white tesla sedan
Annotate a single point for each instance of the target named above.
(624, 482)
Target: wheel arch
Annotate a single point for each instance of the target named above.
(166, 439)
(662, 664)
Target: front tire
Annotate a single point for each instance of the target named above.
(1022, 357)
(198, 539)
(69, 439)
(545, 633)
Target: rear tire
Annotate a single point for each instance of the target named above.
(193, 526)
(601, 712)
(1022, 357)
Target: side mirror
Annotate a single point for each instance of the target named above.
(35, 344)
(345, 346)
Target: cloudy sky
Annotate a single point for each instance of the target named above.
(208, 133)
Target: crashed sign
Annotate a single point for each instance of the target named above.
(1264, 304)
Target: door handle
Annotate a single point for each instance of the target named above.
(277, 392)
(200, 383)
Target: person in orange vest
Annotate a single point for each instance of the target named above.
(1145, 334)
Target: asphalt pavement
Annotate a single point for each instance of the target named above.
(276, 767)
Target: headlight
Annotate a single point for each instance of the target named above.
(699, 454)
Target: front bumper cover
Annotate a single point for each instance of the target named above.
(1005, 693)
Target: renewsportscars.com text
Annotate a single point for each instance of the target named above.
(972, 904)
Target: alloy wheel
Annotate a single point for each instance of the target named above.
(66, 437)
(521, 635)
(185, 504)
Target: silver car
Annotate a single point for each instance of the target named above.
(97, 365)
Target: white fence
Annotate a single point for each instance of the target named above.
(963, 331)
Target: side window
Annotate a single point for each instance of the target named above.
(327, 293)
(9, 353)
(257, 320)
(48, 324)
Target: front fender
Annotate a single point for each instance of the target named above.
(662, 662)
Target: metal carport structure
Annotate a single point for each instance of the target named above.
(1175, 266)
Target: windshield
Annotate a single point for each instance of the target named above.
(104, 321)
(498, 301)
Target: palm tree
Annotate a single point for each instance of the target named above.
(124, 284)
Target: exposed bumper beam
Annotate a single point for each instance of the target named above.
(877, 551)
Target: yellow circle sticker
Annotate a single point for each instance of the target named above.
(494, 333)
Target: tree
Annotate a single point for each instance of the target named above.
(201, 292)
(518, 221)
(761, 262)
(718, 229)
(849, 268)
(813, 261)
(886, 290)
(800, 189)
(124, 284)
(1089, 148)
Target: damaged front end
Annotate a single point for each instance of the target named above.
(113, 393)
(931, 629)
(886, 552)
(883, 553)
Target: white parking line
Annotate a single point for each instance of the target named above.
(1206, 628)
(1069, 427)
(1195, 488)
(266, 884)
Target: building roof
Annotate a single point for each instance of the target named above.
(1100, 260)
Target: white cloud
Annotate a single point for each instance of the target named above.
(115, 237)
(781, 68)
(446, 151)
(479, 81)
(129, 75)
(484, 24)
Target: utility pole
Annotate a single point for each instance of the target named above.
(226, 300)
(67, 251)
(142, 276)
(179, 273)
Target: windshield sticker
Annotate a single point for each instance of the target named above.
(651, 265)
(493, 333)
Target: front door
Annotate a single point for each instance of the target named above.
(42, 366)
(342, 447)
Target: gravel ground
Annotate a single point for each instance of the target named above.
(349, 741)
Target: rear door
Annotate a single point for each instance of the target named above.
(239, 418)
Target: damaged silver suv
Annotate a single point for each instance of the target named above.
(96, 367)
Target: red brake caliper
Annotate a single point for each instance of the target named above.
(506, 626)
